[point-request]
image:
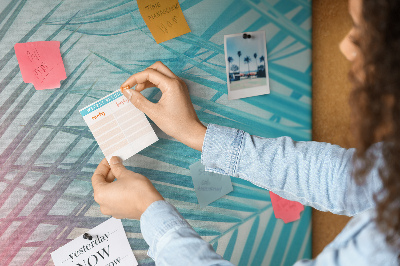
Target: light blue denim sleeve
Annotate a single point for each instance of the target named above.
(172, 241)
(312, 173)
(360, 243)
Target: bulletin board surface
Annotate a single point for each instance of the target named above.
(48, 155)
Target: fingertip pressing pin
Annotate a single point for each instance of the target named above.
(125, 88)
(87, 236)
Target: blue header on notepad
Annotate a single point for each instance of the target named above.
(101, 103)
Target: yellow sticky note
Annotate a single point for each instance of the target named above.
(164, 18)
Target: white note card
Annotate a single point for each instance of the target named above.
(118, 126)
(109, 246)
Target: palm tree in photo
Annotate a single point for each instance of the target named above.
(247, 60)
(230, 59)
(255, 58)
(235, 68)
(262, 59)
(261, 68)
(239, 55)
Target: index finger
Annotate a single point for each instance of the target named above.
(100, 174)
(160, 67)
(159, 80)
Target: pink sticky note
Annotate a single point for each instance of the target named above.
(286, 210)
(41, 63)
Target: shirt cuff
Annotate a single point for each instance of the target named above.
(221, 151)
(158, 219)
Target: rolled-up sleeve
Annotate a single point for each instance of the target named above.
(313, 173)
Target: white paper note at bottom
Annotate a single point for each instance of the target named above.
(109, 246)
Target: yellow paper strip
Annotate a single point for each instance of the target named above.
(164, 18)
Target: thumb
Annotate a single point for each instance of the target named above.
(138, 100)
(117, 168)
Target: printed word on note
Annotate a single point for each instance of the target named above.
(41, 63)
(118, 126)
(164, 18)
(209, 186)
(287, 210)
(108, 246)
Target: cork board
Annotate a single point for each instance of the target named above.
(331, 89)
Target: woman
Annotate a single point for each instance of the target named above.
(363, 183)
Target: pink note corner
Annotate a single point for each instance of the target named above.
(288, 211)
(41, 63)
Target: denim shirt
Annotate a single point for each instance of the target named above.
(312, 173)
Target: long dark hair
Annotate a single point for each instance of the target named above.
(376, 107)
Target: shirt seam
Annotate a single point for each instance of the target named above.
(238, 152)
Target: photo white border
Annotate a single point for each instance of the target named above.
(248, 92)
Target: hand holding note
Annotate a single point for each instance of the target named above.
(174, 113)
(127, 197)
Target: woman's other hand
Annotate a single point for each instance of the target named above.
(127, 197)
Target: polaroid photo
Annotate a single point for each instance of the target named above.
(246, 64)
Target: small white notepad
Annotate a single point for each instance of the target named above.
(118, 126)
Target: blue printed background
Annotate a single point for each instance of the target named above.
(47, 153)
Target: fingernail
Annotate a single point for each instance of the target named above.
(115, 160)
(125, 88)
(128, 94)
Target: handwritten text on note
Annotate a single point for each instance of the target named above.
(164, 18)
(41, 63)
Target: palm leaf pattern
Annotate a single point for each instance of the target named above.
(47, 154)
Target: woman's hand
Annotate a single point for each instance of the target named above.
(127, 197)
(174, 112)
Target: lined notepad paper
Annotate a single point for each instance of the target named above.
(118, 126)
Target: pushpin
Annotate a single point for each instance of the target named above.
(87, 236)
(125, 88)
(246, 36)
